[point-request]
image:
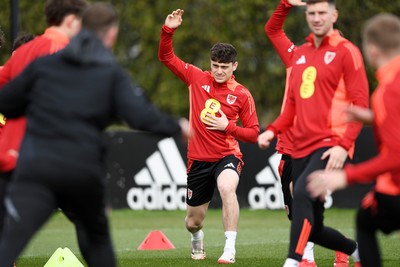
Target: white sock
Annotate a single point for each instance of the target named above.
(355, 255)
(197, 235)
(309, 252)
(291, 263)
(230, 241)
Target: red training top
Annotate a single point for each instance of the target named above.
(10, 140)
(385, 167)
(207, 96)
(323, 82)
(284, 47)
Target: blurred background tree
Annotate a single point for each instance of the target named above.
(240, 22)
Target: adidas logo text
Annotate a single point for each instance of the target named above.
(162, 183)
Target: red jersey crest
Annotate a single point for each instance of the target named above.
(231, 99)
(329, 56)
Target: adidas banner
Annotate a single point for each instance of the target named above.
(145, 171)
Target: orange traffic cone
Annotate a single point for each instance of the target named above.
(156, 240)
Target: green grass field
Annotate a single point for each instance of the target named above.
(262, 239)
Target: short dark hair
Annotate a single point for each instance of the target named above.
(21, 39)
(223, 53)
(383, 30)
(331, 2)
(57, 10)
(99, 16)
(2, 38)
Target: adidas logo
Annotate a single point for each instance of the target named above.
(206, 88)
(301, 60)
(270, 197)
(230, 165)
(162, 183)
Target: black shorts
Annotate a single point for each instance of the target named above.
(202, 178)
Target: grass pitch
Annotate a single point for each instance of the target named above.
(262, 239)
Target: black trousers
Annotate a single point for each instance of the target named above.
(378, 212)
(285, 173)
(4, 181)
(308, 213)
(37, 190)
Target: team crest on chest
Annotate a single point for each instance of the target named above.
(329, 56)
(231, 99)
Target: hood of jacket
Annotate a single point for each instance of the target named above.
(87, 48)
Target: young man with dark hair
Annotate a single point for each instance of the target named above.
(327, 75)
(63, 166)
(380, 209)
(217, 101)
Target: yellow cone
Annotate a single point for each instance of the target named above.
(63, 257)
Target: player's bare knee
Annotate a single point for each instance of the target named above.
(227, 190)
(193, 225)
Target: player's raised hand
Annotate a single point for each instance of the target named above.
(174, 20)
(296, 2)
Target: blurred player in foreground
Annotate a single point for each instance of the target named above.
(380, 209)
(69, 98)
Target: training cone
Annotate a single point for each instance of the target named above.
(156, 240)
(63, 257)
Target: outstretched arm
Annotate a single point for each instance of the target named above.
(166, 52)
(274, 30)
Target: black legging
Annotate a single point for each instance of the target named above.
(4, 181)
(31, 204)
(378, 212)
(308, 213)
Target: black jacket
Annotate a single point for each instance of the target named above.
(69, 98)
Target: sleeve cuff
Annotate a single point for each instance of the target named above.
(345, 145)
(230, 128)
(167, 29)
(350, 173)
(272, 128)
(286, 3)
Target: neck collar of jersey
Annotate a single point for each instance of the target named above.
(387, 72)
(328, 39)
